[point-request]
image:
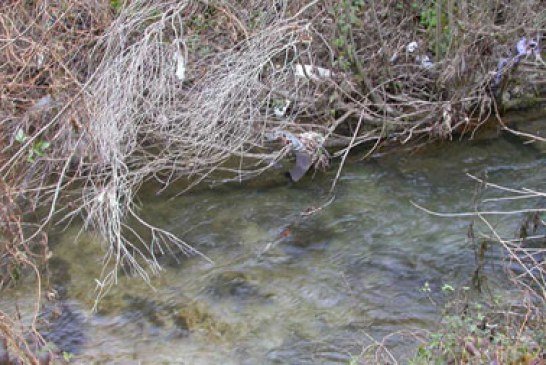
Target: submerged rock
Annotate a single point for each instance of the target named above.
(64, 324)
(236, 285)
(174, 319)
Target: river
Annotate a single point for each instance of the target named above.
(287, 288)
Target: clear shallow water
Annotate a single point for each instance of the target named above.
(288, 289)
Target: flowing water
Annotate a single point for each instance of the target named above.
(287, 288)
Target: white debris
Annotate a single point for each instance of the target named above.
(311, 72)
(312, 136)
(287, 138)
(446, 115)
(280, 110)
(526, 47)
(394, 58)
(424, 61)
(112, 199)
(45, 102)
(412, 47)
(521, 47)
(40, 61)
(180, 66)
(100, 197)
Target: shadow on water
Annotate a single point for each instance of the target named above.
(289, 289)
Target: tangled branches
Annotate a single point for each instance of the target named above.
(183, 89)
(526, 253)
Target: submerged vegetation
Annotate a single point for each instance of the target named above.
(100, 97)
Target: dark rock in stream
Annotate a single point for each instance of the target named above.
(61, 322)
(236, 285)
(239, 287)
(141, 309)
(64, 325)
(298, 242)
(170, 319)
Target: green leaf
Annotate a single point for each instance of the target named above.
(67, 356)
(354, 19)
(426, 288)
(20, 136)
(39, 148)
(345, 28)
(116, 5)
(447, 288)
(339, 42)
(30, 157)
(15, 273)
(42, 145)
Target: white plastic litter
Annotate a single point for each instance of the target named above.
(412, 47)
(315, 137)
(394, 58)
(40, 61)
(425, 61)
(45, 102)
(280, 111)
(311, 72)
(180, 66)
(521, 47)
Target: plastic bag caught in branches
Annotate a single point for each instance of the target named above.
(307, 148)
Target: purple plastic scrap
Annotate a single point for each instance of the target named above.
(503, 62)
(521, 47)
(524, 48)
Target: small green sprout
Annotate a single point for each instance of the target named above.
(67, 356)
(447, 288)
(426, 288)
(38, 148)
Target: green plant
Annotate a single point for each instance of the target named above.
(37, 149)
(67, 356)
(428, 18)
(434, 18)
(354, 360)
(116, 5)
(446, 288)
(347, 14)
(482, 333)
